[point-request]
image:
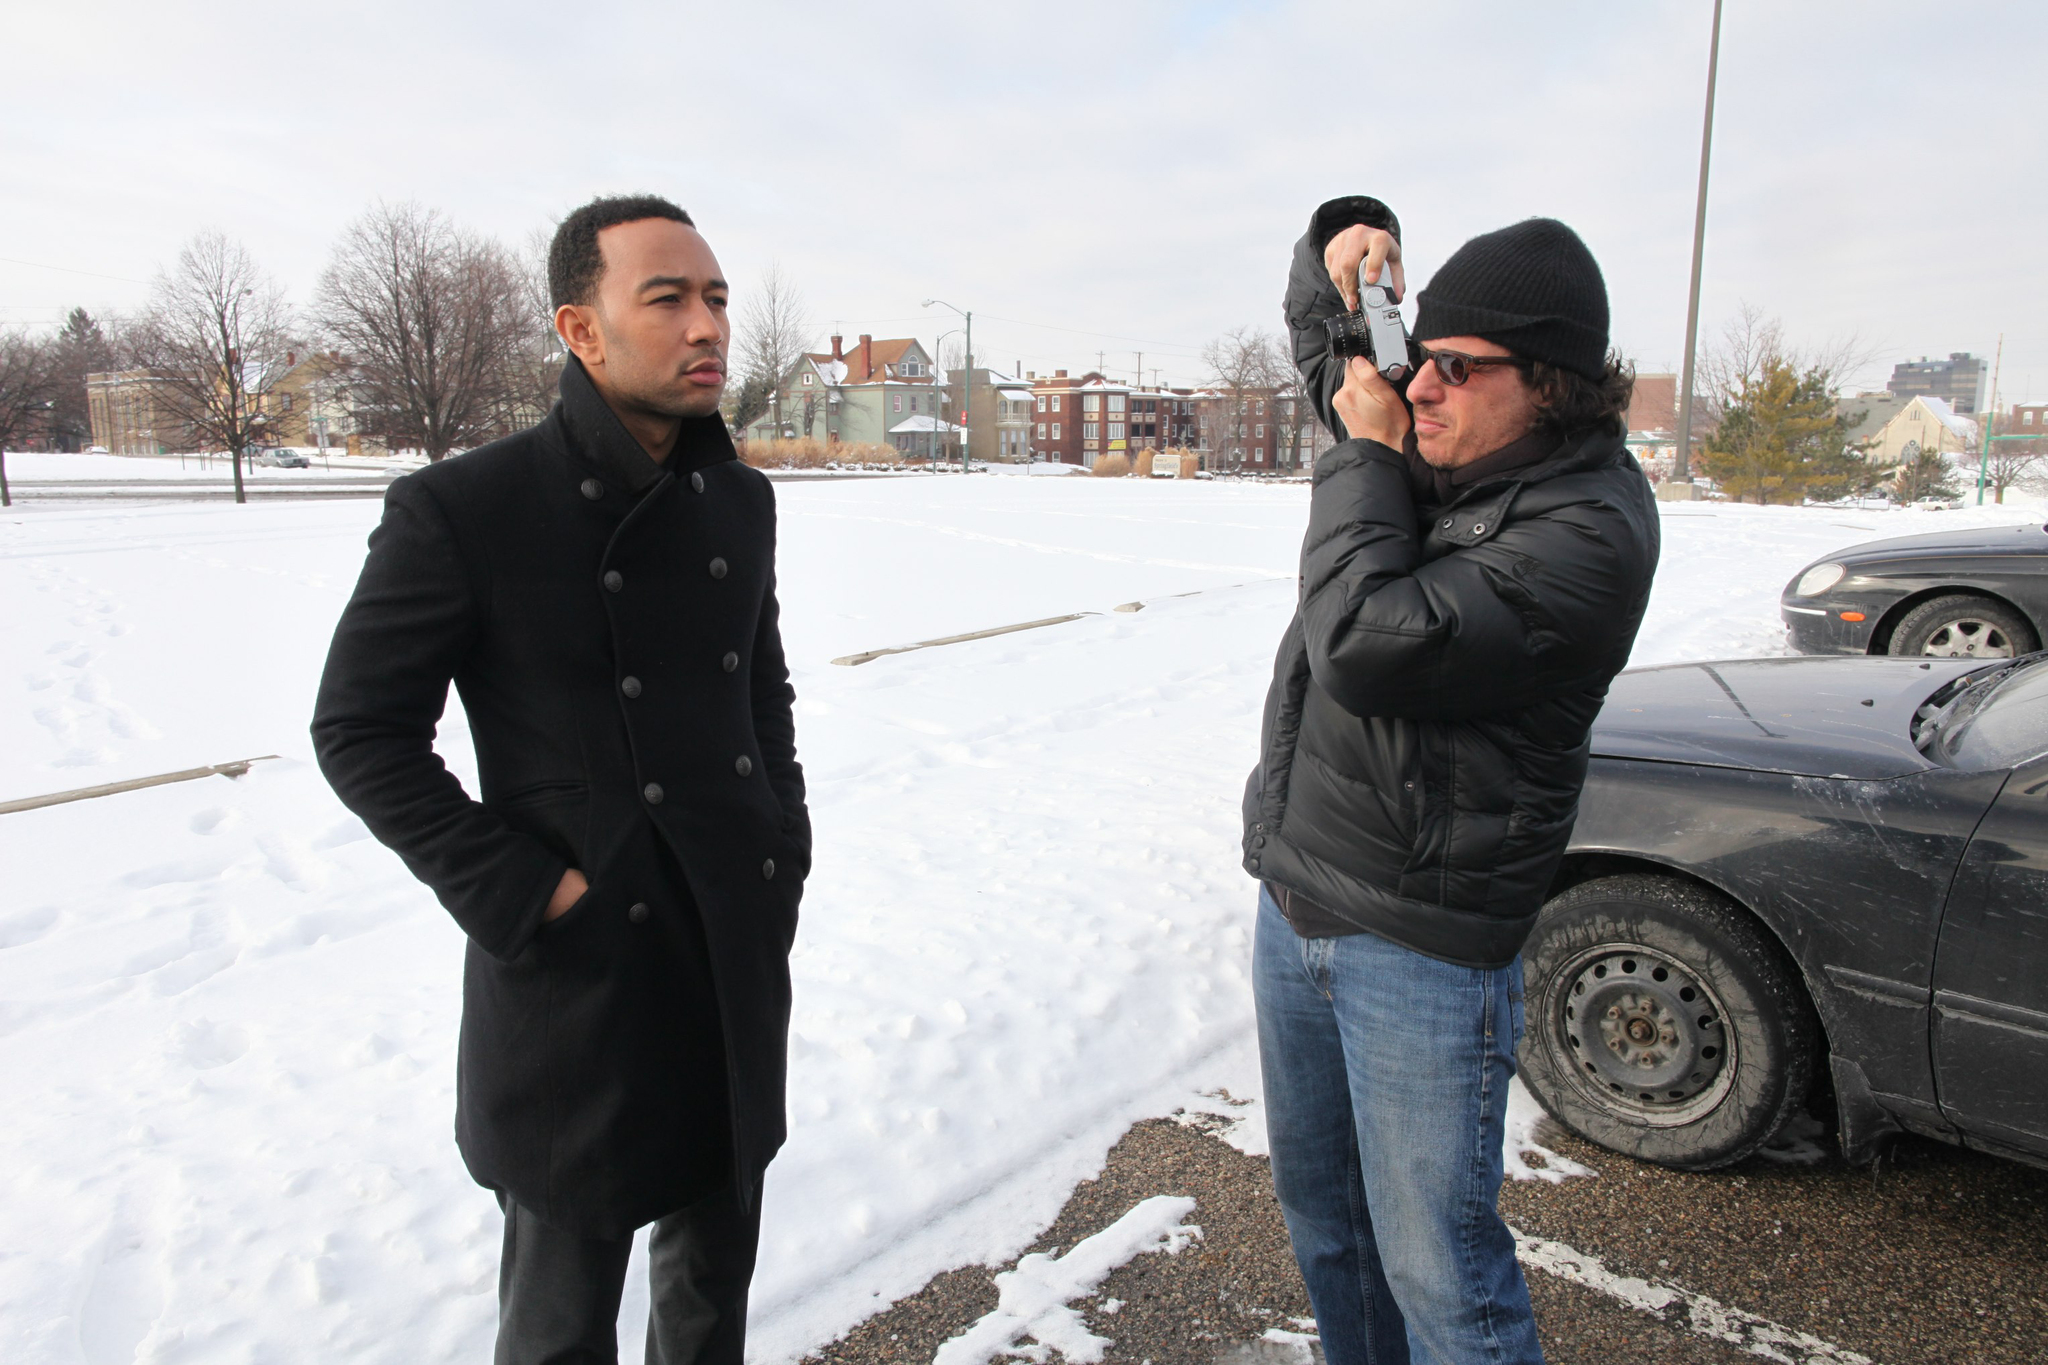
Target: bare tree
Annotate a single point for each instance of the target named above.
(2012, 463)
(536, 373)
(774, 329)
(437, 322)
(1244, 363)
(28, 383)
(216, 333)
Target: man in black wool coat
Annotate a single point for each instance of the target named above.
(1477, 561)
(601, 591)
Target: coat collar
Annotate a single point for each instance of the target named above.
(593, 431)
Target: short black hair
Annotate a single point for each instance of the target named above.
(1572, 403)
(574, 261)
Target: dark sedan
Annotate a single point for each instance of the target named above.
(1803, 883)
(1974, 594)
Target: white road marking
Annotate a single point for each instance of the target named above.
(1679, 1307)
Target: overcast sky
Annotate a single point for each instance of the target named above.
(1109, 177)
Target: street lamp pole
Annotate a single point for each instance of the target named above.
(1699, 244)
(966, 382)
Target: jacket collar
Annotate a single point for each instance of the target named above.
(593, 431)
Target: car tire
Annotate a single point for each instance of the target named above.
(1964, 626)
(1662, 1023)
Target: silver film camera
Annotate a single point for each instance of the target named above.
(1375, 330)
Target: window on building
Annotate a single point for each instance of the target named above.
(1116, 402)
(1091, 402)
(1090, 430)
(808, 377)
(1116, 431)
(1041, 431)
(1260, 407)
(2029, 421)
(1055, 425)
(1041, 402)
(897, 402)
(1055, 402)
(287, 401)
(1260, 431)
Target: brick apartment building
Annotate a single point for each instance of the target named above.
(1079, 420)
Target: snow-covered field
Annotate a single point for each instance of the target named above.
(227, 1016)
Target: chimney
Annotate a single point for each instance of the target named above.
(835, 347)
(1059, 374)
(291, 358)
(867, 355)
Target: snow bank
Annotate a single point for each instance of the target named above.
(227, 1016)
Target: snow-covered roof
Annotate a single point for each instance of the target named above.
(1963, 427)
(919, 425)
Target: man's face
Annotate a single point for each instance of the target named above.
(661, 319)
(1456, 425)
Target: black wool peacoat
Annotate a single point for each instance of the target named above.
(610, 624)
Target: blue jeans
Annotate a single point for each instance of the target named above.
(1386, 1078)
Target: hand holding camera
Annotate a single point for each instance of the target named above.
(1365, 265)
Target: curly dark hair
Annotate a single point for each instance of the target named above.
(574, 262)
(1572, 403)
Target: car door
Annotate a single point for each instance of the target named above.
(1990, 1022)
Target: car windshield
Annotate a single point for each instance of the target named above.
(1993, 718)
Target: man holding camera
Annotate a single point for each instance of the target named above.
(1478, 558)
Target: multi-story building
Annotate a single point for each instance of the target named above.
(1957, 381)
(135, 412)
(861, 395)
(1240, 430)
(308, 405)
(1000, 415)
(1079, 420)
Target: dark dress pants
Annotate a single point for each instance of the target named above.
(558, 1293)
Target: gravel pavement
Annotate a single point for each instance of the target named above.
(1936, 1255)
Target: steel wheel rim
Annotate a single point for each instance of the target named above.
(1969, 637)
(1642, 1037)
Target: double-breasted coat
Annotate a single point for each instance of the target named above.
(610, 624)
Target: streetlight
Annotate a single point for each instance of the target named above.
(937, 343)
(966, 384)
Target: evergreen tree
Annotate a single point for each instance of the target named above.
(1925, 474)
(1780, 439)
(82, 348)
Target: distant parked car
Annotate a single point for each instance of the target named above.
(1932, 504)
(97, 450)
(1796, 880)
(282, 457)
(1975, 594)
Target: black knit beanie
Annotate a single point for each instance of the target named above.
(1533, 288)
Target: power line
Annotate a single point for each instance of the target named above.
(68, 270)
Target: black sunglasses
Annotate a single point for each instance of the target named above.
(1456, 367)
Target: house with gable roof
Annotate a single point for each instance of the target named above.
(856, 395)
(1921, 422)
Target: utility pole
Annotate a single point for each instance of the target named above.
(1699, 244)
(1990, 419)
(967, 379)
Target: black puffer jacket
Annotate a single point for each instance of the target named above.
(1426, 735)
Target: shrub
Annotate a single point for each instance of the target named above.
(1112, 466)
(807, 452)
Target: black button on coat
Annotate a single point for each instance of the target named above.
(618, 1062)
(1426, 736)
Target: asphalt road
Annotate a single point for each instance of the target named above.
(1935, 1255)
